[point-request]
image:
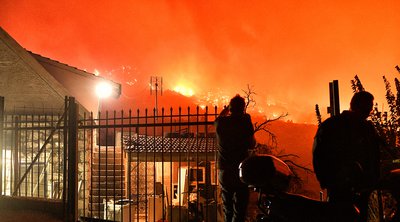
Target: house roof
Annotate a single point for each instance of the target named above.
(159, 148)
(79, 83)
(32, 83)
(71, 69)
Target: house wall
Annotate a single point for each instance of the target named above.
(23, 83)
(34, 84)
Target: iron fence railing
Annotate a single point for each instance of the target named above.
(114, 166)
(32, 156)
(149, 167)
(37, 155)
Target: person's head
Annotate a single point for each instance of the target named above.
(237, 105)
(362, 103)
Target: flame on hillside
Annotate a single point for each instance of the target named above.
(186, 91)
(130, 79)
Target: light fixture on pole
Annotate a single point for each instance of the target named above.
(103, 90)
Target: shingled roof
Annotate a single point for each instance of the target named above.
(159, 148)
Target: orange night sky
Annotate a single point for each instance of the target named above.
(287, 50)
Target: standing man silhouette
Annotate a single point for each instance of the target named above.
(346, 154)
(235, 134)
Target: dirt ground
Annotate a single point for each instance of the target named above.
(7, 215)
(25, 216)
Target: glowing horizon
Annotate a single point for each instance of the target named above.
(288, 50)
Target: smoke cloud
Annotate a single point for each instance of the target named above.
(288, 51)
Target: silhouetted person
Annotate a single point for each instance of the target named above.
(346, 154)
(235, 135)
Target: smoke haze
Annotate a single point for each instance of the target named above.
(288, 51)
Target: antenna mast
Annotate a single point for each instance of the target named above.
(156, 83)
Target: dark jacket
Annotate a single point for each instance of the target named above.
(346, 153)
(235, 134)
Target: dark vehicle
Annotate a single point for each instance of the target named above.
(270, 177)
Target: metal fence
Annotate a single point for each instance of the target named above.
(37, 155)
(157, 165)
(32, 166)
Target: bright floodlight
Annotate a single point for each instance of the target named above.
(103, 90)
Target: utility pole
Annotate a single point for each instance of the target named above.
(156, 83)
(334, 108)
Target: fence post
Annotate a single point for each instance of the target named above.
(72, 192)
(1, 142)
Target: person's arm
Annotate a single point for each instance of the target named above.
(217, 121)
(225, 111)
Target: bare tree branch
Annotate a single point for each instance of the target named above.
(263, 126)
(270, 148)
(249, 93)
(290, 162)
(288, 155)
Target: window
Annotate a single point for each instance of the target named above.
(197, 175)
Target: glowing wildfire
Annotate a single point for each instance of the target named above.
(132, 83)
(184, 90)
